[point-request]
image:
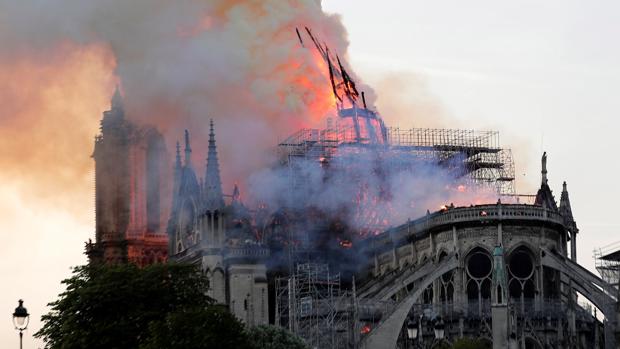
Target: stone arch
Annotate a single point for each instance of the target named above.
(529, 247)
(444, 285)
(478, 245)
(522, 266)
(218, 284)
(478, 270)
(532, 343)
(386, 333)
(423, 258)
(441, 253)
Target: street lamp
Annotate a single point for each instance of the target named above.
(412, 328)
(20, 320)
(439, 328)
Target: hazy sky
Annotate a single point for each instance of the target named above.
(542, 73)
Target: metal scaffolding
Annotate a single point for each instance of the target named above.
(607, 261)
(475, 156)
(311, 304)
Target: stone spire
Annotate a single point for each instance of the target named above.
(177, 163)
(565, 210)
(236, 197)
(188, 150)
(117, 100)
(543, 172)
(544, 196)
(569, 222)
(214, 198)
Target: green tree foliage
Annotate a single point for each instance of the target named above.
(214, 327)
(125, 306)
(271, 337)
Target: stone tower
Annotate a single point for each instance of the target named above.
(129, 180)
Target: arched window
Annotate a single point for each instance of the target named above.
(499, 294)
(522, 277)
(187, 218)
(478, 268)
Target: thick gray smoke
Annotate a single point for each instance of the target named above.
(369, 189)
(181, 63)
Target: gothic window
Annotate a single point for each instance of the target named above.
(216, 221)
(427, 295)
(446, 284)
(154, 155)
(499, 294)
(186, 222)
(521, 274)
(478, 268)
(551, 283)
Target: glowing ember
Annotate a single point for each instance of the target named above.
(366, 329)
(346, 243)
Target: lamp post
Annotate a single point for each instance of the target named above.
(439, 328)
(20, 320)
(412, 329)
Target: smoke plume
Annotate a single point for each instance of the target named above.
(181, 63)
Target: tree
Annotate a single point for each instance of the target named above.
(214, 327)
(271, 337)
(125, 306)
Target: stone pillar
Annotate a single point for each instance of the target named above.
(500, 234)
(454, 239)
(499, 307)
(573, 246)
(394, 258)
(499, 315)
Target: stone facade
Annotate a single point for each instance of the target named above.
(130, 173)
(204, 230)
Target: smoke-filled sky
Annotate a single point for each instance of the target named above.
(543, 74)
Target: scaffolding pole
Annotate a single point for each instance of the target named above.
(311, 304)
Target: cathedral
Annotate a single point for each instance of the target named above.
(505, 273)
